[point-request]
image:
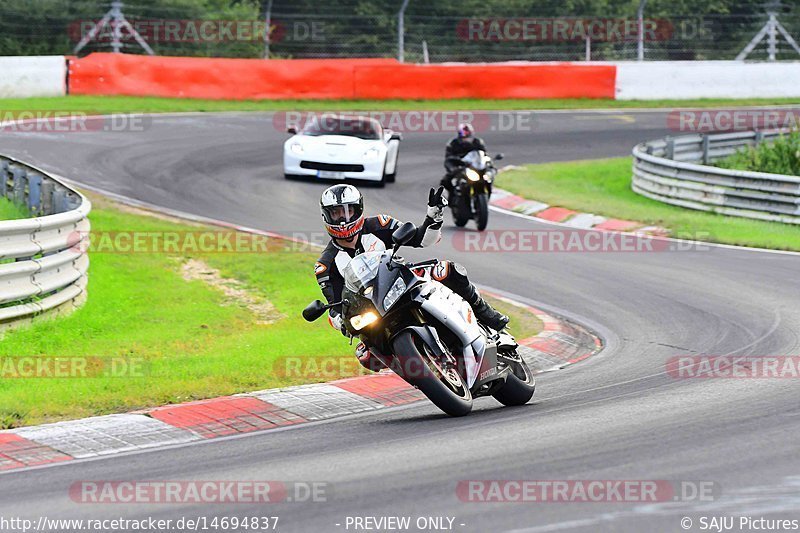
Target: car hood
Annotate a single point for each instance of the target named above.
(334, 147)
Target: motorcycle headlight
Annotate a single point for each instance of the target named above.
(296, 148)
(394, 293)
(472, 175)
(372, 153)
(359, 322)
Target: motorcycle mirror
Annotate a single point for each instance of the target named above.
(404, 234)
(498, 157)
(291, 130)
(314, 310)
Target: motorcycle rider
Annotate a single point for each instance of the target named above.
(461, 145)
(352, 233)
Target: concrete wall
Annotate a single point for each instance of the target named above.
(652, 80)
(27, 76)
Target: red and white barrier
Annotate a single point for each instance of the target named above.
(382, 79)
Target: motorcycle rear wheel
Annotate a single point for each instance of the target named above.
(520, 385)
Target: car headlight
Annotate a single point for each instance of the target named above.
(372, 153)
(359, 322)
(297, 148)
(472, 175)
(394, 293)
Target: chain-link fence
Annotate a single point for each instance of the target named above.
(349, 29)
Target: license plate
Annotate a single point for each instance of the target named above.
(330, 174)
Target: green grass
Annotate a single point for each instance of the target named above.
(193, 346)
(603, 187)
(129, 104)
(191, 342)
(11, 211)
(779, 157)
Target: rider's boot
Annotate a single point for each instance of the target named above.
(485, 313)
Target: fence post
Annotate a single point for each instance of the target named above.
(706, 142)
(401, 32)
(640, 33)
(759, 138)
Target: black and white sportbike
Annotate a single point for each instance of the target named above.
(472, 189)
(426, 333)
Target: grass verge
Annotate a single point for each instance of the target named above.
(190, 336)
(603, 187)
(11, 211)
(11, 107)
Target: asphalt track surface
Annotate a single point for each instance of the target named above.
(617, 416)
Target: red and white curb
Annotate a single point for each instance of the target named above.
(559, 344)
(511, 202)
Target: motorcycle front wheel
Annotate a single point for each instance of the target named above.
(420, 367)
(482, 211)
(461, 211)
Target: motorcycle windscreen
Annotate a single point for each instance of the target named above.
(362, 270)
(475, 159)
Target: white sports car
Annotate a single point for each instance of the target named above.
(337, 147)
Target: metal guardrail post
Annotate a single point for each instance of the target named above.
(705, 148)
(59, 200)
(759, 137)
(19, 185)
(47, 197)
(670, 148)
(34, 193)
(4, 178)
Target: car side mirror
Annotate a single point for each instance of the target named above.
(404, 234)
(314, 310)
(396, 136)
(292, 130)
(498, 157)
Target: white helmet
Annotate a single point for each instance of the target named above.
(342, 209)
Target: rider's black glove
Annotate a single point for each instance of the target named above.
(436, 204)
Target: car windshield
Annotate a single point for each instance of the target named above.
(361, 270)
(363, 128)
(476, 159)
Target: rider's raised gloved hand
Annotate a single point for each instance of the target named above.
(436, 204)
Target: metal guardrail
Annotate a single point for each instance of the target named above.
(675, 171)
(43, 259)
